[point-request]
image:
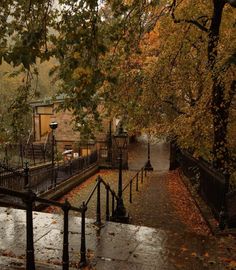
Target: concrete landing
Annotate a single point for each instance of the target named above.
(114, 246)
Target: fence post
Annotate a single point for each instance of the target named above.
(30, 262)
(137, 182)
(26, 175)
(223, 216)
(6, 155)
(32, 146)
(113, 203)
(142, 175)
(107, 203)
(21, 154)
(173, 155)
(70, 167)
(44, 154)
(98, 212)
(130, 191)
(83, 260)
(65, 256)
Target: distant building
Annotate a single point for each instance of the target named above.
(46, 111)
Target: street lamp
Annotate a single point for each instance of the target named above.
(120, 211)
(148, 165)
(53, 126)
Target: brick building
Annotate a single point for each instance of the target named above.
(45, 112)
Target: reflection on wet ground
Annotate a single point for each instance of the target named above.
(167, 244)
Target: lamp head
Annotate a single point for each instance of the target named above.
(53, 125)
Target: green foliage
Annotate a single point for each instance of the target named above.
(168, 69)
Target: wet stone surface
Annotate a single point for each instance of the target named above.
(168, 232)
(114, 246)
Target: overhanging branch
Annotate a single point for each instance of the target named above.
(194, 22)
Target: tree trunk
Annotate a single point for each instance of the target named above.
(219, 108)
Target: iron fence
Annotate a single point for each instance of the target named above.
(210, 183)
(29, 199)
(15, 155)
(43, 178)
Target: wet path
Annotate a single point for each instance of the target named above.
(152, 205)
(176, 237)
(159, 155)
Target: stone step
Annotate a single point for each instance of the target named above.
(9, 263)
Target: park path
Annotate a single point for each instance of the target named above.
(164, 207)
(167, 232)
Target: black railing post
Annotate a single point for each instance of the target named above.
(137, 182)
(65, 256)
(83, 260)
(142, 175)
(130, 191)
(21, 154)
(223, 216)
(107, 203)
(145, 172)
(174, 150)
(98, 212)
(44, 154)
(30, 262)
(70, 167)
(113, 203)
(26, 175)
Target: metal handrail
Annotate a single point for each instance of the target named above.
(41, 184)
(109, 191)
(91, 194)
(141, 170)
(29, 137)
(29, 198)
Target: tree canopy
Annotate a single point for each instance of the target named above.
(164, 66)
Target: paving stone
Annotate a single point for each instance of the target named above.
(167, 244)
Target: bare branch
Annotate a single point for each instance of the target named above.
(194, 22)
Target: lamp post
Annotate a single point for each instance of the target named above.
(120, 211)
(109, 144)
(53, 126)
(148, 165)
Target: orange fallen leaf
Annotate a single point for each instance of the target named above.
(206, 255)
(183, 249)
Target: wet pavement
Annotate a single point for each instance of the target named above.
(167, 230)
(159, 155)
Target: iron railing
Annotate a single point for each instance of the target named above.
(210, 184)
(139, 176)
(16, 154)
(213, 186)
(109, 191)
(29, 199)
(110, 211)
(40, 179)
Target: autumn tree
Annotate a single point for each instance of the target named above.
(23, 40)
(222, 91)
